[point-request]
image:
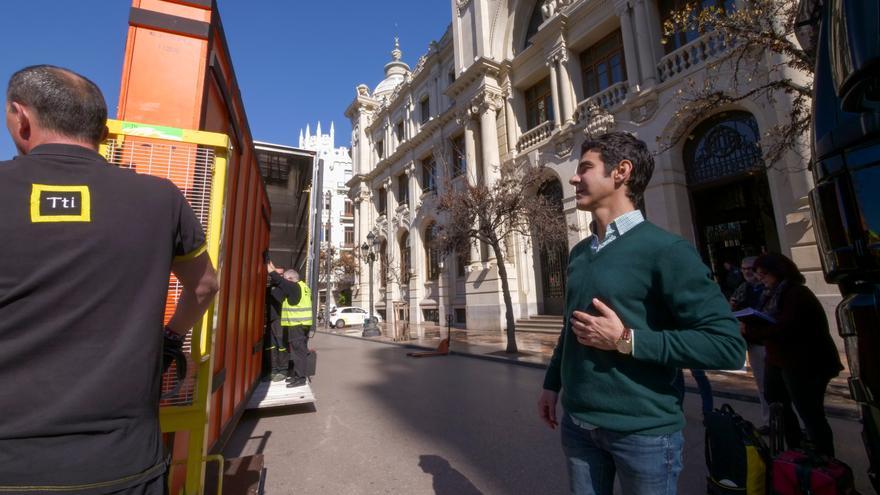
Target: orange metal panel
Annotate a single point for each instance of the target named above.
(251, 293)
(167, 80)
(164, 80)
(181, 10)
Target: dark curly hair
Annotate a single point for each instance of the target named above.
(614, 147)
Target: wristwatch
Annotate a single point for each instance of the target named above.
(625, 342)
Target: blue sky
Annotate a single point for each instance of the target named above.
(297, 62)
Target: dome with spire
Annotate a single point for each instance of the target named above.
(395, 72)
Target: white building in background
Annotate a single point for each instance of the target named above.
(336, 170)
(521, 81)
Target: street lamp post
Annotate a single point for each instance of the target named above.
(328, 198)
(371, 329)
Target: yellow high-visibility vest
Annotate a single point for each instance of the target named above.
(299, 314)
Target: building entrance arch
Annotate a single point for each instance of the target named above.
(553, 260)
(729, 193)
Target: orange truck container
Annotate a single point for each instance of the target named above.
(177, 78)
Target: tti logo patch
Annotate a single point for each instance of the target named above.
(50, 204)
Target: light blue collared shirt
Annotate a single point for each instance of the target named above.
(619, 226)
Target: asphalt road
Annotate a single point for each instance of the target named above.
(388, 423)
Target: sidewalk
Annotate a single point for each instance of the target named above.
(536, 348)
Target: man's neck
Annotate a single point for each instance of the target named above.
(51, 138)
(604, 215)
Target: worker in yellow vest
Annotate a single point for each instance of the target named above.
(296, 319)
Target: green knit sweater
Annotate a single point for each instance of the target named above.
(660, 288)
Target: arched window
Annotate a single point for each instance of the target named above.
(432, 255)
(535, 22)
(723, 146)
(405, 264)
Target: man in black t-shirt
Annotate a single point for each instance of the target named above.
(84, 261)
(279, 354)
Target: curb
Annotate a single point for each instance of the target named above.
(832, 411)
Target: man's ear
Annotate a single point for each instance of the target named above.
(19, 122)
(622, 172)
(104, 134)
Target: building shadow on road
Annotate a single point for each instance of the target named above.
(447, 480)
(483, 412)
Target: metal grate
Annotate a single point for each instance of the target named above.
(190, 168)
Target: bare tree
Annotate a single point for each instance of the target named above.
(492, 214)
(758, 33)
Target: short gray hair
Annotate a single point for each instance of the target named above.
(749, 260)
(62, 100)
(291, 275)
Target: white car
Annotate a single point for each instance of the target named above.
(348, 315)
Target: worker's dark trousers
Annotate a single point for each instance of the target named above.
(299, 349)
(280, 352)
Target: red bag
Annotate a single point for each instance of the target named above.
(796, 472)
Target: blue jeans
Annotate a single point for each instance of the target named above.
(647, 464)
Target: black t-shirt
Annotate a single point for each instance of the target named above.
(283, 289)
(85, 254)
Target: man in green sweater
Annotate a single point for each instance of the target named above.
(640, 305)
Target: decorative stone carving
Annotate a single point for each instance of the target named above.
(644, 111)
(463, 116)
(558, 54)
(563, 143)
(599, 120)
(462, 4)
(487, 99)
(552, 7)
(402, 218)
(420, 65)
(363, 90)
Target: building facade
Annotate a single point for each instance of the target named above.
(526, 81)
(337, 209)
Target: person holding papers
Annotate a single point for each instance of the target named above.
(801, 356)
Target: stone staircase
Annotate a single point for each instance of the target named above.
(540, 323)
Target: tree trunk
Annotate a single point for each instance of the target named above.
(508, 302)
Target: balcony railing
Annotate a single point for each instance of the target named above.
(535, 136)
(706, 47)
(608, 98)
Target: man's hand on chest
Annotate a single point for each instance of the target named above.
(602, 331)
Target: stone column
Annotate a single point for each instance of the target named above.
(470, 149)
(630, 56)
(565, 87)
(554, 91)
(647, 63)
(510, 119)
(387, 139)
(363, 147)
(414, 190)
(488, 104)
(470, 152)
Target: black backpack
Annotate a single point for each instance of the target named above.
(736, 455)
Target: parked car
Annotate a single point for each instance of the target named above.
(348, 315)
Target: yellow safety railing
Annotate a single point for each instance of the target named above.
(197, 162)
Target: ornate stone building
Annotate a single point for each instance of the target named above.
(524, 81)
(337, 215)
